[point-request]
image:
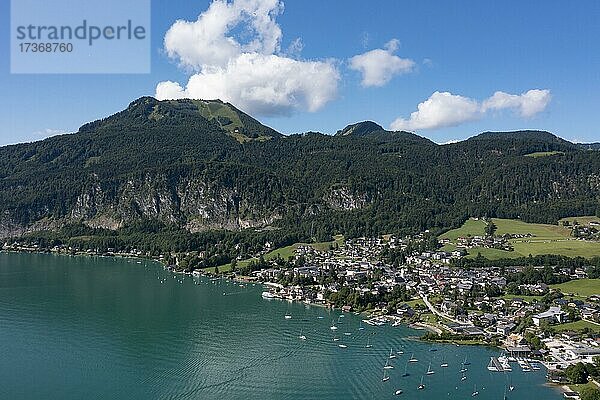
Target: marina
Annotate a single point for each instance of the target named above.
(180, 336)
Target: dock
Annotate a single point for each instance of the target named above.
(495, 365)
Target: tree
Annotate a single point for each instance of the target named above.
(491, 228)
(576, 374)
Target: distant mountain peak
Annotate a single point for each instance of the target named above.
(150, 111)
(360, 129)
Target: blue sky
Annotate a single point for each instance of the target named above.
(543, 57)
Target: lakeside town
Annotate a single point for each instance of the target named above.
(392, 280)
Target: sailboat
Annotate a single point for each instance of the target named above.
(463, 377)
(301, 337)
(387, 365)
(466, 362)
(444, 364)
(400, 351)
(361, 327)
(429, 370)
(369, 345)
(392, 355)
(475, 391)
(385, 377)
(333, 327)
(421, 385)
(413, 359)
(405, 374)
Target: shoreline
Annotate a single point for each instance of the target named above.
(419, 326)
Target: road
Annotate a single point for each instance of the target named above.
(441, 314)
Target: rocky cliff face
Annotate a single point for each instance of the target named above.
(342, 198)
(192, 203)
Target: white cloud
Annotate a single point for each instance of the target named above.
(444, 109)
(527, 104)
(379, 66)
(262, 84)
(246, 69)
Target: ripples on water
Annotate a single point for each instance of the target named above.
(101, 328)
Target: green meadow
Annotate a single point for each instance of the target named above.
(546, 239)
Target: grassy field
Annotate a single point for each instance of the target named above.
(283, 252)
(492, 254)
(577, 326)
(470, 228)
(580, 287)
(547, 239)
(543, 154)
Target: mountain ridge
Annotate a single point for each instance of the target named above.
(180, 166)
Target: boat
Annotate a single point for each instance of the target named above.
(301, 337)
(288, 316)
(392, 355)
(398, 392)
(268, 295)
(335, 338)
(463, 377)
(405, 374)
(475, 391)
(385, 377)
(342, 346)
(347, 334)
(429, 370)
(320, 317)
(413, 359)
(421, 385)
(387, 365)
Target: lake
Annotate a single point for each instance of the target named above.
(109, 328)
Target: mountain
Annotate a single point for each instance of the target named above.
(183, 174)
(149, 112)
(360, 129)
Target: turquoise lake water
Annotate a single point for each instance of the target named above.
(108, 328)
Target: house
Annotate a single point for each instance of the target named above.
(505, 329)
(405, 311)
(553, 315)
